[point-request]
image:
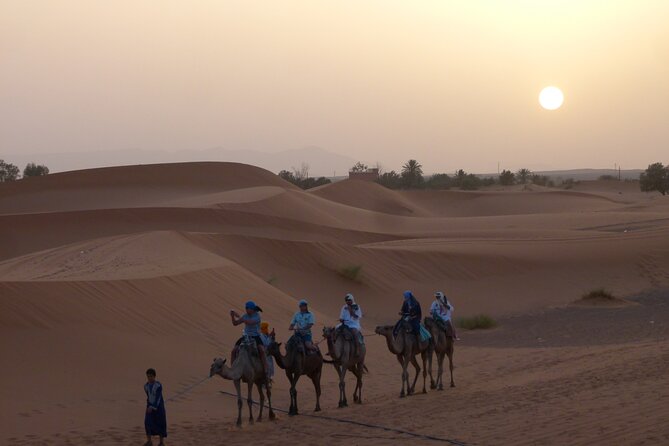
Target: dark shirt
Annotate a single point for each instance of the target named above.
(411, 307)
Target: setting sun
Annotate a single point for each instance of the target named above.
(551, 98)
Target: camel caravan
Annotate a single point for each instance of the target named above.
(256, 352)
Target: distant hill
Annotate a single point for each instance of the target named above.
(321, 162)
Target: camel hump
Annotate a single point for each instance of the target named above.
(295, 343)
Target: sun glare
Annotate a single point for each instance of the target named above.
(551, 98)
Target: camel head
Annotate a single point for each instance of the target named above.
(274, 348)
(328, 332)
(384, 330)
(216, 367)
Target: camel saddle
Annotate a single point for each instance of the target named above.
(447, 327)
(348, 336)
(298, 344)
(247, 343)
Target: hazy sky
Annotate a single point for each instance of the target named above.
(451, 83)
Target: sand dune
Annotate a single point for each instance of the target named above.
(456, 203)
(108, 271)
(619, 187)
(475, 204)
(130, 186)
(122, 257)
(370, 196)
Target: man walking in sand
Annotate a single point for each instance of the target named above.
(155, 419)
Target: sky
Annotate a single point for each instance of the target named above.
(454, 84)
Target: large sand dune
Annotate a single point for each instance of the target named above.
(106, 272)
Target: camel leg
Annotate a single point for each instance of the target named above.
(296, 378)
(238, 387)
(424, 356)
(290, 392)
(261, 397)
(293, 409)
(360, 371)
(450, 365)
(405, 377)
(342, 387)
(249, 401)
(401, 361)
(440, 371)
(316, 379)
(433, 384)
(354, 370)
(272, 417)
(415, 380)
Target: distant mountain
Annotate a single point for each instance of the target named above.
(592, 174)
(584, 174)
(320, 161)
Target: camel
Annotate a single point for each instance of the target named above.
(406, 346)
(345, 356)
(247, 368)
(297, 363)
(443, 346)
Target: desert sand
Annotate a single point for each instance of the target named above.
(106, 272)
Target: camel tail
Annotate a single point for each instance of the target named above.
(365, 369)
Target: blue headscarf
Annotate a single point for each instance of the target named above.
(408, 294)
(250, 305)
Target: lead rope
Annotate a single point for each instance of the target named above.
(359, 423)
(187, 389)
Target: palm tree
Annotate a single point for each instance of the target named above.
(523, 175)
(507, 178)
(412, 173)
(413, 168)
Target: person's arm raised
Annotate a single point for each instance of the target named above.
(236, 319)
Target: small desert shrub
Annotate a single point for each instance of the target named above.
(351, 272)
(272, 279)
(600, 294)
(569, 183)
(480, 321)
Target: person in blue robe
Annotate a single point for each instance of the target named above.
(155, 419)
(410, 312)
